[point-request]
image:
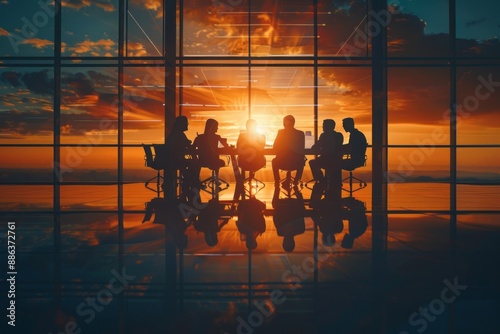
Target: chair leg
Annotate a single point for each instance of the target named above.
(158, 180)
(350, 178)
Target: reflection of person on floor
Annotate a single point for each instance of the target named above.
(329, 146)
(167, 213)
(356, 148)
(289, 148)
(250, 148)
(356, 215)
(251, 222)
(327, 214)
(177, 147)
(207, 145)
(288, 218)
(208, 221)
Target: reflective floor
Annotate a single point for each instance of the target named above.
(105, 271)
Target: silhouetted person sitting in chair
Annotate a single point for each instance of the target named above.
(329, 145)
(207, 145)
(356, 148)
(289, 148)
(177, 147)
(250, 148)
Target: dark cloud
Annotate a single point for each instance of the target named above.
(38, 82)
(26, 123)
(407, 38)
(78, 84)
(475, 22)
(11, 78)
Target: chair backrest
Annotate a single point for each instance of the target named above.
(148, 155)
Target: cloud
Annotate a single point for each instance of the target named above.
(4, 32)
(79, 4)
(38, 82)
(136, 49)
(475, 22)
(13, 78)
(99, 47)
(37, 42)
(150, 4)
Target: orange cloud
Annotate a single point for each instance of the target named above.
(37, 42)
(78, 4)
(93, 47)
(136, 49)
(4, 32)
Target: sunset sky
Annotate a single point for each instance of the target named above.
(418, 96)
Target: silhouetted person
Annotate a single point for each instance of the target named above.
(250, 148)
(329, 146)
(208, 145)
(288, 218)
(356, 147)
(177, 147)
(208, 221)
(251, 222)
(289, 148)
(358, 222)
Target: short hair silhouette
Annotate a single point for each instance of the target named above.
(289, 119)
(329, 124)
(348, 122)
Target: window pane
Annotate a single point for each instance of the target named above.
(84, 198)
(284, 28)
(26, 198)
(418, 179)
(478, 178)
(26, 105)
(342, 29)
(144, 28)
(89, 106)
(418, 29)
(143, 103)
(215, 28)
(478, 98)
(26, 164)
(90, 29)
(27, 30)
(477, 29)
(418, 110)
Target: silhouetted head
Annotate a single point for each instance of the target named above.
(328, 239)
(180, 124)
(348, 124)
(211, 238)
(288, 122)
(288, 244)
(251, 125)
(348, 241)
(328, 125)
(251, 243)
(211, 126)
